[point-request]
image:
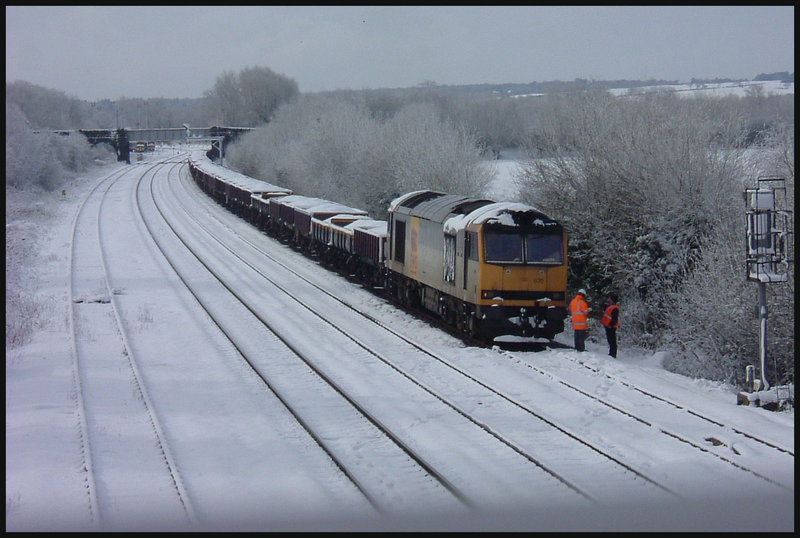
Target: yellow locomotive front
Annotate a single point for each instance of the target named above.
(488, 268)
(521, 271)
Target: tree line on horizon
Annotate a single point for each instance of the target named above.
(249, 97)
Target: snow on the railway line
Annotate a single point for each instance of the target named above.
(45, 489)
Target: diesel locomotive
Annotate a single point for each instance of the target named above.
(487, 268)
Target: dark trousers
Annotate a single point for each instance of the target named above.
(611, 336)
(580, 339)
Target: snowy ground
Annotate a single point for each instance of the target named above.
(238, 461)
(711, 89)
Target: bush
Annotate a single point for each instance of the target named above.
(714, 327)
(43, 160)
(336, 149)
(650, 192)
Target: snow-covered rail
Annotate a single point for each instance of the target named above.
(749, 431)
(693, 427)
(95, 324)
(291, 374)
(80, 404)
(196, 392)
(407, 356)
(708, 445)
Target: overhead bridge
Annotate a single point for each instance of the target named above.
(122, 139)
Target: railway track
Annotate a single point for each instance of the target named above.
(703, 415)
(425, 410)
(96, 368)
(292, 373)
(708, 447)
(694, 427)
(386, 414)
(566, 438)
(195, 386)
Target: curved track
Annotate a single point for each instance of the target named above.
(99, 368)
(299, 375)
(619, 459)
(371, 418)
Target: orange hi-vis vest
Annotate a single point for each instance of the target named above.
(607, 316)
(579, 309)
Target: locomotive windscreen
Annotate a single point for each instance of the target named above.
(544, 249)
(523, 237)
(531, 249)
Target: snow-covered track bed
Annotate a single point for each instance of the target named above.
(737, 442)
(420, 425)
(369, 454)
(101, 369)
(745, 422)
(194, 403)
(351, 333)
(172, 421)
(661, 452)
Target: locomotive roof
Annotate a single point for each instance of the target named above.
(504, 215)
(436, 206)
(412, 198)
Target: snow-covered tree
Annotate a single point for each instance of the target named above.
(638, 183)
(650, 190)
(429, 153)
(49, 109)
(714, 327)
(337, 149)
(43, 160)
(250, 98)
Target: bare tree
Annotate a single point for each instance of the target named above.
(262, 92)
(335, 148)
(251, 97)
(225, 99)
(638, 183)
(43, 160)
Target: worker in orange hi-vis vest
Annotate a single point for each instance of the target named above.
(579, 309)
(611, 322)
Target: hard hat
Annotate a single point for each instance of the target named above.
(582, 291)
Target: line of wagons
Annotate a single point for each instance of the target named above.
(486, 268)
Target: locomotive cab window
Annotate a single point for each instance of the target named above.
(544, 249)
(531, 249)
(503, 248)
(399, 239)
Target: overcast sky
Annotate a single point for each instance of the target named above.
(100, 52)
